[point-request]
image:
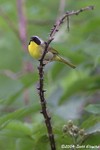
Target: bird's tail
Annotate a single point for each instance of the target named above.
(61, 59)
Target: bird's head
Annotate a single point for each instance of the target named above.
(37, 40)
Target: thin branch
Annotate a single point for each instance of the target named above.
(22, 23)
(67, 14)
(23, 37)
(67, 22)
(27, 66)
(43, 101)
(41, 73)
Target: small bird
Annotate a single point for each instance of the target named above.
(36, 48)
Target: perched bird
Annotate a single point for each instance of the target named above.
(36, 48)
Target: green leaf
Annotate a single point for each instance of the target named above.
(93, 108)
(92, 139)
(90, 122)
(17, 114)
(81, 85)
(24, 144)
(16, 129)
(27, 80)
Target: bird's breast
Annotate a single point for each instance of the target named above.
(34, 50)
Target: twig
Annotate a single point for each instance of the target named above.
(41, 73)
(67, 14)
(22, 23)
(23, 37)
(43, 101)
(67, 22)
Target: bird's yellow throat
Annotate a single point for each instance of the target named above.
(34, 50)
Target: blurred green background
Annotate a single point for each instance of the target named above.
(71, 94)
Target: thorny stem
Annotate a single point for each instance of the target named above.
(41, 73)
(43, 101)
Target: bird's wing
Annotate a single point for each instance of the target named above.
(50, 49)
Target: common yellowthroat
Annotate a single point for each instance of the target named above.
(36, 48)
